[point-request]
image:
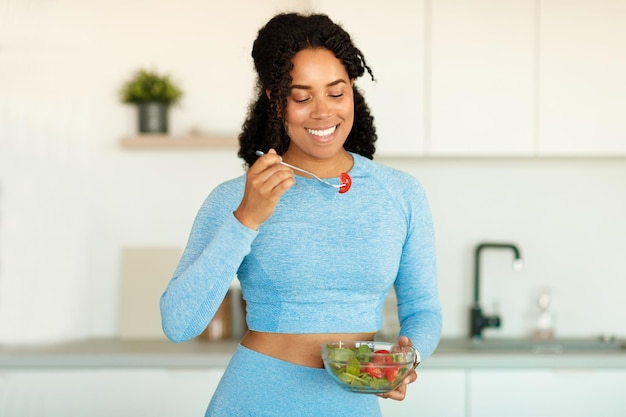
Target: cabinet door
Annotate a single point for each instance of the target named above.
(107, 393)
(482, 77)
(438, 393)
(523, 393)
(391, 36)
(582, 95)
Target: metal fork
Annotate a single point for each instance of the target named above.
(259, 153)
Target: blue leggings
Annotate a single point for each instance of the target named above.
(257, 385)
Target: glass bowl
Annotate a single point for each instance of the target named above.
(368, 366)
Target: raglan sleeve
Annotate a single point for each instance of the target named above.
(217, 245)
(419, 308)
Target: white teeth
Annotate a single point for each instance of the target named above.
(324, 132)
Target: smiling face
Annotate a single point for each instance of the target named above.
(320, 107)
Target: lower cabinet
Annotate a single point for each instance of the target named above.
(513, 393)
(438, 393)
(106, 393)
(180, 392)
(546, 392)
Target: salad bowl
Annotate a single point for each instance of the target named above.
(368, 366)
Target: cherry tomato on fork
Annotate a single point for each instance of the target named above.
(346, 182)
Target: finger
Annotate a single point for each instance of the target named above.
(404, 341)
(266, 166)
(267, 159)
(398, 394)
(410, 378)
(272, 179)
(280, 182)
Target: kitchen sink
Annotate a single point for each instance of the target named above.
(582, 345)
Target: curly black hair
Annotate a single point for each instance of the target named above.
(276, 44)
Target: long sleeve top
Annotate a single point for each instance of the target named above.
(324, 262)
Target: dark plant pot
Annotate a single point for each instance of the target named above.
(153, 117)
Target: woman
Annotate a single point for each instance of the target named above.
(315, 265)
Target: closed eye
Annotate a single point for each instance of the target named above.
(301, 100)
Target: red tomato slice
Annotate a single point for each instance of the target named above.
(346, 182)
(392, 373)
(374, 370)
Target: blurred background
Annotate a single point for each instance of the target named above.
(511, 113)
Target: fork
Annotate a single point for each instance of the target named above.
(344, 185)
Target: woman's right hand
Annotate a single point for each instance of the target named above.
(266, 181)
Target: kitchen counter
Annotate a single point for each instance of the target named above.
(198, 354)
(105, 353)
(523, 354)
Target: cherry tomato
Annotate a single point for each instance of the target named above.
(374, 370)
(392, 373)
(346, 182)
(382, 356)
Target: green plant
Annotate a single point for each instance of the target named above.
(148, 86)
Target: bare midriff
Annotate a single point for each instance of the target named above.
(301, 349)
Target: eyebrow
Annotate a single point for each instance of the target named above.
(307, 87)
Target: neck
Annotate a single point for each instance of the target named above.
(322, 167)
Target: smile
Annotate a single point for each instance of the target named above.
(325, 132)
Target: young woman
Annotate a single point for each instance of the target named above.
(315, 265)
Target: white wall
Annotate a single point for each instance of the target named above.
(71, 198)
(567, 217)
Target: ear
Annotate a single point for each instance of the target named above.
(267, 92)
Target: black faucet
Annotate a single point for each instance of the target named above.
(478, 321)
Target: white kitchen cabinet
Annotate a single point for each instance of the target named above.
(438, 393)
(392, 38)
(493, 78)
(582, 94)
(481, 78)
(180, 392)
(107, 392)
(546, 393)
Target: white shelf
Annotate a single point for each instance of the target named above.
(149, 141)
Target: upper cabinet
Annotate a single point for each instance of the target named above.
(481, 77)
(582, 79)
(492, 77)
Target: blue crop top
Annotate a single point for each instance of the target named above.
(324, 262)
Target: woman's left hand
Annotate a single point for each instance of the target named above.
(400, 393)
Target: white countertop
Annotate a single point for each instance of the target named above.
(461, 353)
(96, 353)
(112, 353)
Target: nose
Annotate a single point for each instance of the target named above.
(322, 109)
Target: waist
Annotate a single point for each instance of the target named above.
(301, 349)
(324, 315)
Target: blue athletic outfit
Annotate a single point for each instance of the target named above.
(324, 262)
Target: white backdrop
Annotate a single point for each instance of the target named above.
(71, 198)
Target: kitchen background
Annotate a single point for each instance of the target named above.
(511, 113)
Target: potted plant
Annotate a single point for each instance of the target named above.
(153, 93)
